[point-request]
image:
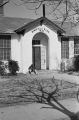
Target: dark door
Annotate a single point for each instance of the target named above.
(37, 57)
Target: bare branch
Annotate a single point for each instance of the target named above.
(4, 3)
(58, 5)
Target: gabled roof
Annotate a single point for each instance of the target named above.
(70, 28)
(10, 24)
(39, 21)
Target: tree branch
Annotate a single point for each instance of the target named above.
(4, 3)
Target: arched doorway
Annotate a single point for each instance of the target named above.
(40, 56)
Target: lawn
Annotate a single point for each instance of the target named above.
(17, 103)
(13, 90)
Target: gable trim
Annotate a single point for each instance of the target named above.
(39, 21)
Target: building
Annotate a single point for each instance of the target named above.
(40, 42)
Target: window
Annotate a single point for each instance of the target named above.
(36, 42)
(76, 46)
(5, 47)
(65, 48)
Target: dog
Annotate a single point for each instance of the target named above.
(32, 69)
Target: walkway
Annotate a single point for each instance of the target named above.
(36, 112)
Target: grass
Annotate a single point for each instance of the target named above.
(14, 90)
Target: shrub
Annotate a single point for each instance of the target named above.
(3, 68)
(76, 63)
(13, 67)
(70, 64)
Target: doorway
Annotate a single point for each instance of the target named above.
(36, 57)
(40, 56)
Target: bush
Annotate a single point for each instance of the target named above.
(13, 67)
(76, 63)
(70, 64)
(3, 68)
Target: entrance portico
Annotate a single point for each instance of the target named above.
(40, 45)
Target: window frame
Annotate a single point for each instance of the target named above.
(76, 44)
(5, 49)
(64, 48)
(35, 42)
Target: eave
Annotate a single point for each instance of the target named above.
(37, 22)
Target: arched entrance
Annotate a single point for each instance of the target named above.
(40, 56)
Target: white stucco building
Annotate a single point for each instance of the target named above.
(40, 42)
(35, 43)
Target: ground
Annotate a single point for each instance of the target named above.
(33, 111)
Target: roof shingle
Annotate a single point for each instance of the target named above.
(11, 24)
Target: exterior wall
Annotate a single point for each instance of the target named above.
(54, 48)
(16, 49)
(54, 51)
(26, 47)
(21, 48)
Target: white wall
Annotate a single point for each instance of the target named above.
(15, 49)
(26, 51)
(21, 48)
(54, 51)
(54, 47)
